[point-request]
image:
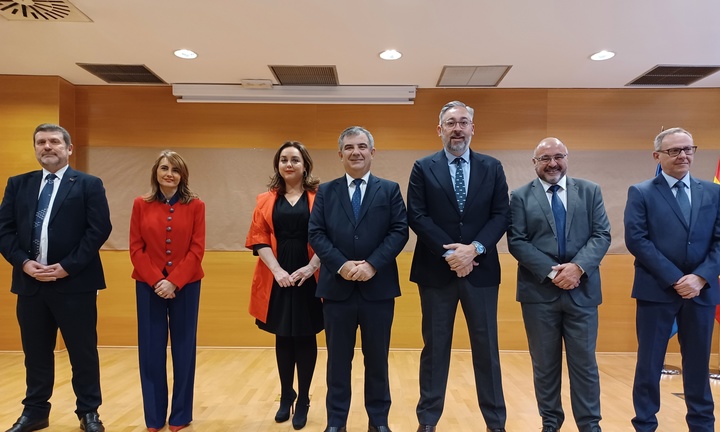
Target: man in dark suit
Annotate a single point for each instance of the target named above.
(672, 227)
(458, 207)
(558, 282)
(357, 227)
(53, 244)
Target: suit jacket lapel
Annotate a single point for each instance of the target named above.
(540, 195)
(66, 184)
(341, 190)
(664, 190)
(32, 195)
(441, 171)
(571, 202)
(370, 191)
(696, 191)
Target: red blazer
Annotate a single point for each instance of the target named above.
(262, 232)
(170, 238)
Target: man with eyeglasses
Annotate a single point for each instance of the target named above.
(672, 227)
(559, 232)
(458, 207)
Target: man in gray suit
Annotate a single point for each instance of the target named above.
(559, 233)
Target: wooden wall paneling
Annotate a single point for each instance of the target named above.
(25, 102)
(612, 119)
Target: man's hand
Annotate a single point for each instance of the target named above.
(347, 268)
(689, 286)
(44, 273)
(462, 256)
(568, 276)
(363, 271)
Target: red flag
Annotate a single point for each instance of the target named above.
(717, 180)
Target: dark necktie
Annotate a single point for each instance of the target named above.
(357, 198)
(42, 209)
(460, 192)
(683, 200)
(559, 213)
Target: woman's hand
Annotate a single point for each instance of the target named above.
(302, 274)
(165, 289)
(283, 278)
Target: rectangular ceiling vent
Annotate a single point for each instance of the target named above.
(667, 75)
(305, 75)
(472, 76)
(41, 10)
(122, 74)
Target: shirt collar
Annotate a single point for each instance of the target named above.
(672, 180)
(562, 183)
(451, 157)
(59, 173)
(350, 179)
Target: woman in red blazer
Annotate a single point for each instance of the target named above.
(283, 288)
(167, 244)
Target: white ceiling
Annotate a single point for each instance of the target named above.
(547, 42)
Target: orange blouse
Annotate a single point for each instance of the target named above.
(262, 232)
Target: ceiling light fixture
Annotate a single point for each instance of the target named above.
(390, 54)
(185, 54)
(602, 55)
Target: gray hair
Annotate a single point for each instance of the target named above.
(49, 127)
(661, 136)
(455, 104)
(356, 130)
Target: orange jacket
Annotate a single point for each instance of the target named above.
(262, 232)
(170, 238)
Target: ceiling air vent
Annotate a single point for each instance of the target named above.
(472, 76)
(41, 10)
(666, 75)
(122, 74)
(305, 75)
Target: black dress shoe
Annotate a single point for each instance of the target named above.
(336, 429)
(426, 428)
(372, 428)
(26, 424)
(549, 429)
(495, 429)
(90, 422)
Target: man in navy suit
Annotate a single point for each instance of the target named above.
(458, 207)
(56, 275)
(672, 227)
(357, 227)
(558, 282)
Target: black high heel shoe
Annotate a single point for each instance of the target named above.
(300, 417)
(286, 407)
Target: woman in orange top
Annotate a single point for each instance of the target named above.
(167, 244)
(283, 288)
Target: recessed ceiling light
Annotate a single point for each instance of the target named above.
(185, 54)
(602, 55)
(390, 54)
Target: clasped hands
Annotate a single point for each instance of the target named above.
(359, 271)
(689, 286)
(44, 273)
(299, 276)
(568, 276)
(165, 289)
(462, 258)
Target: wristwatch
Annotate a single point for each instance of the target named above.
(479, 248)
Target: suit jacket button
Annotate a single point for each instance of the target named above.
(172, 210)
(168, 252)
(168, 229)
(169, 218)
(168, 241)
(169, 263)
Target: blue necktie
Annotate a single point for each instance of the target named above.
(357, 198)
(42, 209)
(559, 213)
(683, 200)
(460, 192)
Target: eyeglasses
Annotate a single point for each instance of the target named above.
(546, 159)
(450, 124)
(674, 152)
